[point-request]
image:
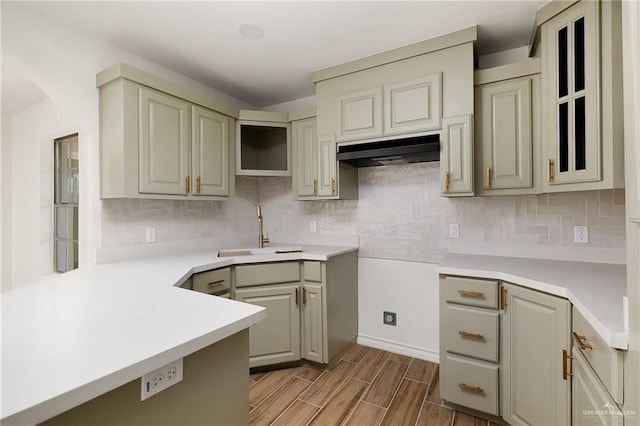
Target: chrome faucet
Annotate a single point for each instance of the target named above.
(261, 238)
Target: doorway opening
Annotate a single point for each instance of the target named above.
(66, 202)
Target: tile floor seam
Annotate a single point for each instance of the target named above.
(361, 399)
(272, 392)
(395, 393)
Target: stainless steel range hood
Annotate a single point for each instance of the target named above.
(399, 151)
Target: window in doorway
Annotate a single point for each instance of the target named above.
(66, 203)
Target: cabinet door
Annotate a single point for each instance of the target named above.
(456, 156)
(163, 143)
(359, 115)
(571, 63)
(276, 339)
(506, 134)
(591, 404)
(305, 148)
(210, 132)
(314, 323)
(327, 167)
(413, 106)
(535, 332)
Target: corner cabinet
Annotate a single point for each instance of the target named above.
(263, 143)
(311, 308)
(502, 350)
(582, 98)
(507, 129)
(456, 156)
(157, 145)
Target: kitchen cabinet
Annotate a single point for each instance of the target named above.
(456, 156)
(582, 98)
(216, 282)
(469, 342)
(311, 308)
(501, 350)
(359, 115)
(413, 105)
(507, 129)
(536, 331)
(328, 166)
(157, 144)
(305, 157)
(263, 143)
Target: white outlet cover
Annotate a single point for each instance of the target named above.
(581, 234)
(313, 226)
(151, 235)
(454, 230)
(160, 379)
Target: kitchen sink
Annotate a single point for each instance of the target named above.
(259, 251)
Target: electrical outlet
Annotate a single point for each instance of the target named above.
(389, 318)
(454, 230)
(313, 226)
(151, 235)
(160, 379)
(581, 234)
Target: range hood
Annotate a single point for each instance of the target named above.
(399, 151)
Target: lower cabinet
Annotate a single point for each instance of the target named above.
(535, 332)
(501, 351)
(276, 339)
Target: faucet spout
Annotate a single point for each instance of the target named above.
(261, 238)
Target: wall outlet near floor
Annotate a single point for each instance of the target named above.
(313, 226)
(389, 318)
(454, 230)
(581, 234)
(151, 235)
(160, 379)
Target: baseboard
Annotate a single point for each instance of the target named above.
(399, 348)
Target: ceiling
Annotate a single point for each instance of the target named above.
(201, 39)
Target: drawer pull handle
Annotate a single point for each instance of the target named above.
(580, 339)
(216, 283)
(304, 296)
(549, 170)
(487, 178)
(476, 389)
(468, 293)
(503, 298)
(297, 297)
(445, 182)
(565, 372)
(471, 335)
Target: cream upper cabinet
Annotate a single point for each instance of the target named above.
(456, 156)
(359, 115)
(157, 143)
(210, 155)
(582, 102)
(163, 123)
(504, 136)
(327, 177)
(536, 331)
(413, 106)
(305, 157)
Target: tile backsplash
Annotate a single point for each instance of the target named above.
(399, 215)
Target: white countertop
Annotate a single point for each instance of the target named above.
(71, 337)
(595, 289)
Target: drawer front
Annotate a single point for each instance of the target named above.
(312, 271)
(470, 291)
(606, 361)
(473, 332)
(267, 273)
(211, 282)
(472, 384)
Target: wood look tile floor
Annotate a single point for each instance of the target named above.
(367, 387)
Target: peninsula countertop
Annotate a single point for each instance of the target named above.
(71, 337)
(595, 289)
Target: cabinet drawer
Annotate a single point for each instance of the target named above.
(472, 332)
(472, 384)
(211, 282)
(267, 273)
(606, 361)
(470, 291)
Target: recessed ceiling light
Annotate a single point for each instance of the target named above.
(249, 30)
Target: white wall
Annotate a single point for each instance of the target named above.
(5, 203)
(63, 63)
(410, 289)
(31, 180)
